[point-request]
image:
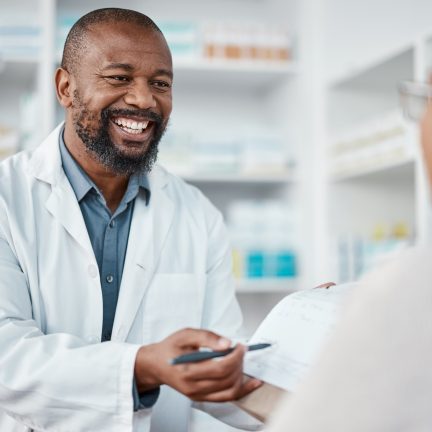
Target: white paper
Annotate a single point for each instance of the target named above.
(297, 327)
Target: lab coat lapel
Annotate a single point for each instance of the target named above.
(63, 205)
(46, 166)
(149, 229)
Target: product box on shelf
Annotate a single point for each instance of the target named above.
(375, 145)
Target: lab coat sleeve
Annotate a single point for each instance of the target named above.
(57, 381)
(222, 314)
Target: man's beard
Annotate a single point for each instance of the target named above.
(99, 144)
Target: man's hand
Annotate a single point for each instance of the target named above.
(216, 380)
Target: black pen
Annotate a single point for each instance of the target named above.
(198, 356)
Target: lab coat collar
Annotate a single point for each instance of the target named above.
(45, 163)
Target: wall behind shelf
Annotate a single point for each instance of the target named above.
(357, 31)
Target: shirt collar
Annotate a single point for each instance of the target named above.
(81, 183)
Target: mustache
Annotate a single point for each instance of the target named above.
(140, 113)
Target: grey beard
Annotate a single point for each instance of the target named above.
(99, 144)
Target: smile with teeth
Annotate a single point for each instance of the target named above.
(131, 126)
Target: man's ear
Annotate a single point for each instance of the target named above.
(63, 87)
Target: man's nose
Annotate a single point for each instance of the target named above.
(140, 95)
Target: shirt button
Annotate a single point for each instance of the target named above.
(92, 271)
(109, 278)
(112, 224)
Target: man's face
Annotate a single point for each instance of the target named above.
(122, 96)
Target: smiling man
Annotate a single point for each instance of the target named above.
(99, 244)
(118, 98)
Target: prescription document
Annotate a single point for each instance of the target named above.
(297, 327)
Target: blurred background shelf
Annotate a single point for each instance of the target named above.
(18, 60)
(240, 178)
(375, 187)
(233, 73)
(379, 73)
(400, 168)
(23, 70)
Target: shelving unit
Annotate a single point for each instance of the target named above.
(379, 73)
(26, 39)
(18, 77)
(246, 74)
(19, 73)
(382, 172)
(18, 64)
(377, 191)
(375, 181)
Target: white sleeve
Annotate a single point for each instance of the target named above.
(57, 381)
(222, 314)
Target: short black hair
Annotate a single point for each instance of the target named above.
(77, 36)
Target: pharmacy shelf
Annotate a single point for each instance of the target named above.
(240, 178)
(21, 71)
(266, 285)
(244, 74)
(377, 183)
(379, 73)
(397, 169)
(19, 59)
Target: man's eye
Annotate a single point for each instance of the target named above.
(119, 78)
(162, 84)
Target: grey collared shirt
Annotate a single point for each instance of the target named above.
(108, 233)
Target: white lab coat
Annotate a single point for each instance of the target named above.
(54, 373)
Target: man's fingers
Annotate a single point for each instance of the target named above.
(201, 338)
(219, 379)
(200, 389)
(216, 368)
